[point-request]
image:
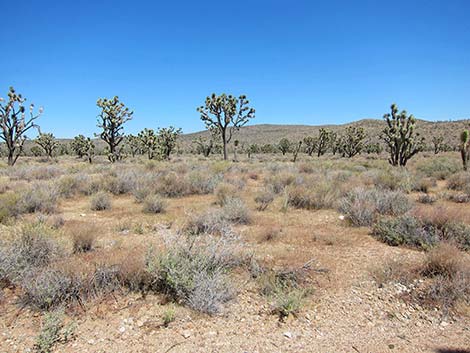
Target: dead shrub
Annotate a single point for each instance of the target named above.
(100, 201)
(83, 237)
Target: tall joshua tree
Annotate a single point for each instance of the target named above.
(226, 114)
(400, 136)
(324, 138)
(114, 114)
(166, 140)
(352, 143)
(14, 124)
(465, 148)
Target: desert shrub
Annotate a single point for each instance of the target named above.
(9, 206)
(48, 287)
(439, 168)
(168, 316)
(172, 185)
(394, 179)
(284, 290)
(210, 222)
(459, 181)
(35, 172)
(194, 272)
(122, 182)
(300, 196)
(459, 198)
(40, 197)
(447, 291)
(100, 201)
(154, 204)
(31, 249)
(83, 237)
(392, 271)
(224, 192)
(235, 211)
(270, 233)
(403, 230)
(421, 233)
(106, 278)
(201, 183)
(278, 182)
(443, 260)
(52, 332)
(362, 207)
(424, 184)
(427, 199)
(264, 199)
(69, 185)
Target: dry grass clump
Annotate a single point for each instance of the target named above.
(35, 172)
(427, 199)
(362, 207)
(285, 291)
(83, 237)
(264, 198)
(100, 201)
(172, 185)
(394, 179)
(201, 183)
(121, 181)
(154, 204)
(443, 260)
(459, 181)
(278, 182)
(224, 192)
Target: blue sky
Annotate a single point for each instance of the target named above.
(299, 62)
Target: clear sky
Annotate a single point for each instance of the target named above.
(298, 61)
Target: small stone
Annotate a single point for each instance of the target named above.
(91, 341)
(341, 217)
(186, 334)
(288, 334)
(122, 329)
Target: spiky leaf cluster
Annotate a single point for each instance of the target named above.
(352, 142)
(148, 142)
(166, 140)
(400, 137)
(284, 145)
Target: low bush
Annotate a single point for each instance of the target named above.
(83, 237)
(439, 168)
(459, 181)
(362, 207)
(154, 204)
(41, 197)
(31, 249)
(100, 201)
(236, 211)
(264, 199)
(443, 260)
(224, 192)
(194, 271)
(421, 233)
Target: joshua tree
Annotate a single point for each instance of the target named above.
(235, 146)
(252, 149)
(134, 145)
(166, 140)
(310, 145)
(14, 124)
(438, 144)
(400, 137)
(148, 141)
(296, 151)
(373, 148)
(89, 149)
(465, 148)
(36, 151)
(48, 143)
(352, 142)
(323, 143)
(284, 145)
(226, 114)
(78, 145)
(112, 118)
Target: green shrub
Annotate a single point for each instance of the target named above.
(154, 204)
(439, 168)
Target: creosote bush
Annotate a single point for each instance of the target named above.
(100, 201)
(83, 237)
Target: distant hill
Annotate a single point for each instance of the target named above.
(269, 133)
